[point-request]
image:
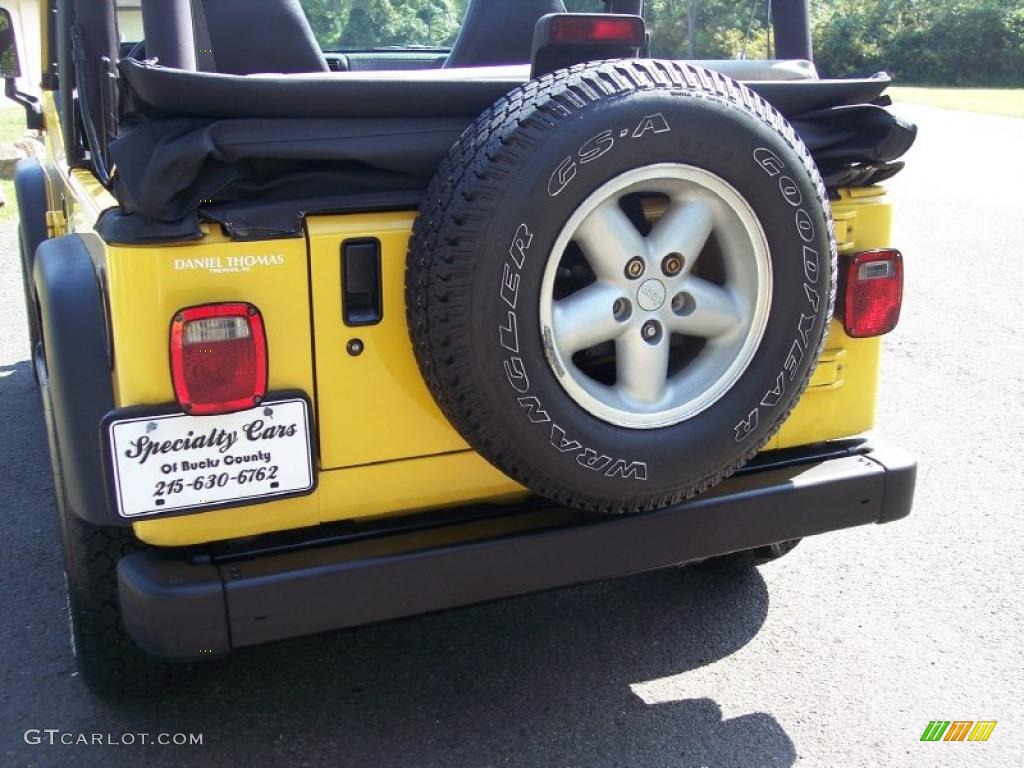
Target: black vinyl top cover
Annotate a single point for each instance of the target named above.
(231, 149)
(264, 175)
(151, 90)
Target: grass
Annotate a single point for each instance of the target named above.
(995, 101)
(12, 122)
(12, 128)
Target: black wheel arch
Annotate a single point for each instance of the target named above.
(30, 192)
(31, 196)
(76, 352)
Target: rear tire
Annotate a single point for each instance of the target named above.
(110, 663)
(108, 660)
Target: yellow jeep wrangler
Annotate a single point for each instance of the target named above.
(327, 337)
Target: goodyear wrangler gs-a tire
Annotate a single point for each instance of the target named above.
(620, 281)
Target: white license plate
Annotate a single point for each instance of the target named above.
(175, 462)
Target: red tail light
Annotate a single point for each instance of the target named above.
(874, 293)
(218, 358)
(597, 28)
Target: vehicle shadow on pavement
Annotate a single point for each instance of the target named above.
(538, 681)
(542, 681)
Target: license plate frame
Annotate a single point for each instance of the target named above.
(298, 475)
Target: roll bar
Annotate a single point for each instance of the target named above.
(791, 20)
(168, 29)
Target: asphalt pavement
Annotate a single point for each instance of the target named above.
(838, 655)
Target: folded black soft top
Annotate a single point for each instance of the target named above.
(430, 93)
(258, 153)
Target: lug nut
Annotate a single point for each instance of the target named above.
(672, 265)
(634, 268)
(683, 304)
(651, 331)
(622, 309)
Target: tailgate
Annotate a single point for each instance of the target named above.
(374, 405)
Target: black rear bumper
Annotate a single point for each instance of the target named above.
(183, 605)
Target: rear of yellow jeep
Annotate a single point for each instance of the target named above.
(384, 446)
(629, 316)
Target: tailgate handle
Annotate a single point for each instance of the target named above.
(361, 293)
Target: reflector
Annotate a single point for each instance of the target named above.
(597, 28)
(218, 358)
(873, 293)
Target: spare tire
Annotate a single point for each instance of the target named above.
(620, 281)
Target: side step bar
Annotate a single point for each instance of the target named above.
(177, 607)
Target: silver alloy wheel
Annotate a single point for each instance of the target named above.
(681, 309)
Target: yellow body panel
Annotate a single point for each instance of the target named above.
(375, 406)
(405, 486)
(411, 485)
(840, 400)
(147, 286)
(372, 410)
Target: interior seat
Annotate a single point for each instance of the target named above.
(499, 32)
(232, 37)
(251, 36)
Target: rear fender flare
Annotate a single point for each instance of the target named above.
(30, 192)
(76, 352)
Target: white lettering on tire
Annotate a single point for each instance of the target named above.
(770, 163)
(600, 145)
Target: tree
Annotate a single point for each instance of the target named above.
(362, 24)
(939, 42)
(949, 42)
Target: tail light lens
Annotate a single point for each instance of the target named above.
(597, 28)
(218, 358)
(873, 293)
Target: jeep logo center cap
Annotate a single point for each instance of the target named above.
(651, 295)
